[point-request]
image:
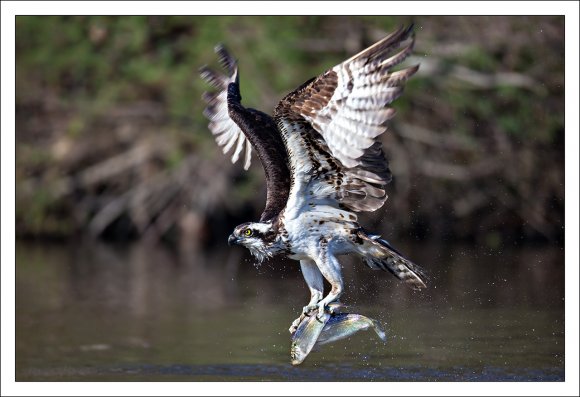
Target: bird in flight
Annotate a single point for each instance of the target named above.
(323, 162)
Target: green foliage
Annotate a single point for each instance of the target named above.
(481, 60)
(79, 75)
(114, 60)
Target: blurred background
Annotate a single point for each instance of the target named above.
(125, 202)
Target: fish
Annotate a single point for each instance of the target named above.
(306, 335)
(343, 325)
(314, 332)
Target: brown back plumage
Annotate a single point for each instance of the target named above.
(339, 117)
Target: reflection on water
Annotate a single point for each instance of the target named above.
(100, 312)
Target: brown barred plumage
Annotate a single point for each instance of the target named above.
(323, 160)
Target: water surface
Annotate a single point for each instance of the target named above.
(97, 312)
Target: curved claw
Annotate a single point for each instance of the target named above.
(295, 325)
(297, 322)
(331, 308)
(308, 308)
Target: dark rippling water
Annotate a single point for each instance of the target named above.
(96, 312)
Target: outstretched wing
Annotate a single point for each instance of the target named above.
(226, 131)
(233, 124)
(331, 126)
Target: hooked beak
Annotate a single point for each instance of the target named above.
(232, 240)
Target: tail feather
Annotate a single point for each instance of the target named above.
(379, 254)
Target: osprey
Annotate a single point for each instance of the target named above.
(323, 163)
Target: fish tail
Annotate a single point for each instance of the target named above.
(379, 330)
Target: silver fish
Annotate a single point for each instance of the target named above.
(343, 325)
(306, 335)
(331, 327)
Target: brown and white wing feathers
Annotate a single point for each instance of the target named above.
(227, 133)
(336, 119)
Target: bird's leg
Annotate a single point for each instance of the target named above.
(314, 280)
(330, 269)
(315, 283)
(332, 296)
(315, 297)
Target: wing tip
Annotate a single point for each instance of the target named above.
(403, 34)
(394, 38)
(227, 61)
(219, 47)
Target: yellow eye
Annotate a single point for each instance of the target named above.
(247, 232)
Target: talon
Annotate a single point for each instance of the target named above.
(295, 325)
(297, 322)
(307, 309)
(320, 314)
(292, 329)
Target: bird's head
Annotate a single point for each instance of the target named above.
(255, 236)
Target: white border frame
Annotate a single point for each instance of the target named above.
(11, 9)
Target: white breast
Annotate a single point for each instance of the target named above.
(307, 230)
